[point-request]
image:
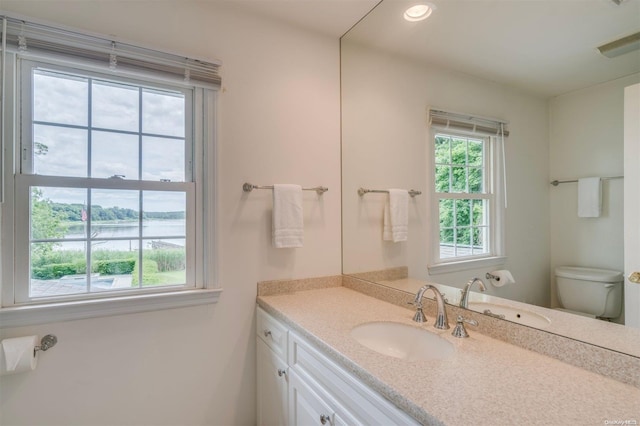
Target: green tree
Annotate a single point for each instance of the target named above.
(459, 169)
(40, 148)
(45, 223)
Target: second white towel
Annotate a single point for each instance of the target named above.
(396, 216)
(288, 228)
(589, 197)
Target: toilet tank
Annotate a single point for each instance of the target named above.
(593, 291)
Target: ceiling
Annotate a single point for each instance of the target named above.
(329, 17)
(545, 47)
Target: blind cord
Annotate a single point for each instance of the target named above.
(504, 164)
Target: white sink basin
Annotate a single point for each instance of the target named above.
(512, 314)
(402, 341)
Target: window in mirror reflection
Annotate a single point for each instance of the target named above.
(461, 175)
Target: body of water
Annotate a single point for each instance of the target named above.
(103, 234)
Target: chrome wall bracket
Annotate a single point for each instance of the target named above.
(46, 343)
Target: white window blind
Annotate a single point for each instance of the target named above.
(446, 120)
(103, 126)
(30, 39)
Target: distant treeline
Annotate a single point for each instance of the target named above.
(73, 213)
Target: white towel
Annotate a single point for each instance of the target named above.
(287, 216)
(589, 197)
(396, 216)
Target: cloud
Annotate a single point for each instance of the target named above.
(163, 113)
(62, 99)
(163, 158)
(64, 153)
(114, 154)
(115, 106)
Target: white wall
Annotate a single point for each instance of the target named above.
(586, 139)
(632, 203)
(385, 136)
(279, 115)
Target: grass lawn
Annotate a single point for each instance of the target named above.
(166, 278)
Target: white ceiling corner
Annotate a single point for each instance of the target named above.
(329, 17)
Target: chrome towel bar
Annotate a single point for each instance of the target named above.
(362, 191)
(558, 182)
(248, 187)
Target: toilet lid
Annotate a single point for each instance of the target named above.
(589, 274)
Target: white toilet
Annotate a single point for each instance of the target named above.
(589, 291)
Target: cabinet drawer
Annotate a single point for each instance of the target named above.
(364, 404)
(272, 332)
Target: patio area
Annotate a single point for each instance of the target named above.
(73, 284)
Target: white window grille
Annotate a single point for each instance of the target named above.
(105, 184)
(467, 191)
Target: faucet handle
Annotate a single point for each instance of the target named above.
(417, 304)
(459, 330)
(419, 315)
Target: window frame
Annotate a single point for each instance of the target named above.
(493, 178)
(16, 310)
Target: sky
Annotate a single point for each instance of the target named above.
(62, 110)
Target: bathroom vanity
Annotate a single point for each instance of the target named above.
(298, 385)
(311, 370)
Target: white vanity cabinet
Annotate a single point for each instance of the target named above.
(317, 391)
(272, 378)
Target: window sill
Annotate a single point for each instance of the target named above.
(19, 316)
(444, 268)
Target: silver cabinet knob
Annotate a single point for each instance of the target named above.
(325, 418)
(267, 333)
(281, 372)
(634, 277)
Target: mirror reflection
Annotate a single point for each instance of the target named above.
(479, 108)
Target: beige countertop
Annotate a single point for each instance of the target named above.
(487, 381)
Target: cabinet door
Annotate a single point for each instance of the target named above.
(309, 405)
(363, 404)
(271, 387)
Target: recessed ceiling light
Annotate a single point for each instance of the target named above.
(418, 12)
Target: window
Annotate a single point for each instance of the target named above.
(106, 169)
(466, 183)
(460, 184)
(108, 196)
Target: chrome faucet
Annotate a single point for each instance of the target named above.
(442, 322)
(464, 300)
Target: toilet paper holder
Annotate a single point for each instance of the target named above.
(490, 276)
(46, 343)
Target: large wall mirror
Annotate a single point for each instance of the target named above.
(533, 65)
